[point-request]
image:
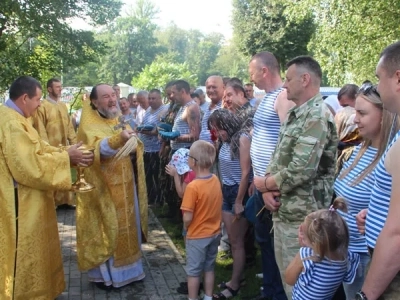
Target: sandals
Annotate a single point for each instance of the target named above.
(223, 285)
(220, 295)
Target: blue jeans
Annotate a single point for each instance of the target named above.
(352, 289)
(272, 282)
(229, 194)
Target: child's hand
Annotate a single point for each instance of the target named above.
(170, 170)
(302, 237)
(360, 219)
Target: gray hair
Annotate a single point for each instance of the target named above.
(143, 93)
(199, 92)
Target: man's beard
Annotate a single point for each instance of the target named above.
(109, 114)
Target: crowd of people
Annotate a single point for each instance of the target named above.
(313, 181)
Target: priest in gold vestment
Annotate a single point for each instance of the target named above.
(54, 125)
(31, 265)
(112, 219)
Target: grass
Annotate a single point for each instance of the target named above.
(223, 268)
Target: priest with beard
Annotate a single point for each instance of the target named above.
(112, 219)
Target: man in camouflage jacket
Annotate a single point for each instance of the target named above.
(300, 176)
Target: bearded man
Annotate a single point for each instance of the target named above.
(111, 219)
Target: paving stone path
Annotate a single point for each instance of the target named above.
(163, 266)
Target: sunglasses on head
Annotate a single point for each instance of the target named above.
(368, 88)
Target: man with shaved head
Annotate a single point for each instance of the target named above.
(265, 74)
(215, 91)
(300, 174)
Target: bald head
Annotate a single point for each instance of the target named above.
(215, 78)
(267, 59)
(215, 88)
(265, 72)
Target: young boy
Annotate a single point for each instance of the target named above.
(202, 213)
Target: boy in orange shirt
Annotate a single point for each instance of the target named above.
(202, 214)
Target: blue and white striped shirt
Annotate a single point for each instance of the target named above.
(380, 198)
(151, 142)
(320, 280)
(182, 126)
(205, 134)
(357, 196)
(230, 170)
(265, 133)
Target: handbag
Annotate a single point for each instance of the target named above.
(249, 209)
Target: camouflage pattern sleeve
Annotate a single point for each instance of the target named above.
(304, 151)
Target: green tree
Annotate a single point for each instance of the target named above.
(202, 52)
(86, 75)
(131, 44)
(230, 62)
(350, 35)
(262, 25)
(174, 39)
(161, 71)
(198, 50)
(36, 38)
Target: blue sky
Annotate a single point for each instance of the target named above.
(204, 15)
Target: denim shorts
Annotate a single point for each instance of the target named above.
(201, 255)
(229, 194)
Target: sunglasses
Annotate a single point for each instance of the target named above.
(368, 88)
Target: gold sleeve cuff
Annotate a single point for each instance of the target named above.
(115, 142)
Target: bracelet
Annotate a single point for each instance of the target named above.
(265, 183)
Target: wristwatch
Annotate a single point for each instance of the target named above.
(361, 296)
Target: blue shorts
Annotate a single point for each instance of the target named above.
(229, 194)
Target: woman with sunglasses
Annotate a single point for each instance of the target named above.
(356, 178)
(236, 176)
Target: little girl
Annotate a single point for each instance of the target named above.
(323, 261)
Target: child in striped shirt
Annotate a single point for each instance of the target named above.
(323, 261)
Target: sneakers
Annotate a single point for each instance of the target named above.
(225, 255)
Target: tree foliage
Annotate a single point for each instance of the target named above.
(161, 71)
(230, 62)
(36, 39)
(350, 35)
(131, 44)
(174, 40)
(198, 50)
(83, 75)
(262, 25)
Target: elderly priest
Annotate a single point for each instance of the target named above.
(111, 219)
